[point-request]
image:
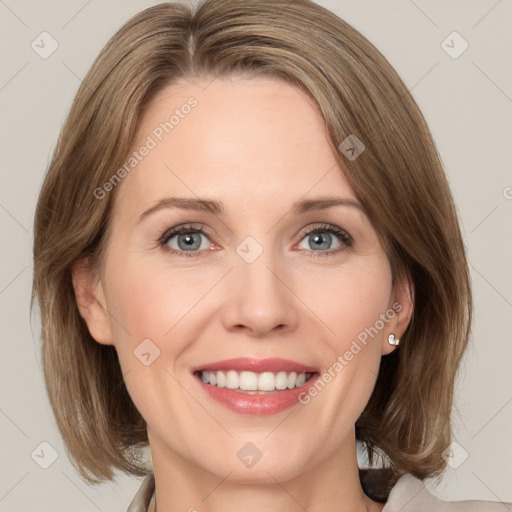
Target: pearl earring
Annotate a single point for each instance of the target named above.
(392, 340)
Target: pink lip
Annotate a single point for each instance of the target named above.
(273, 364)
(255, 404)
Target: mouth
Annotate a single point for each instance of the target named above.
(259, 387)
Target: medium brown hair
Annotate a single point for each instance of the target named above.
(398, 178)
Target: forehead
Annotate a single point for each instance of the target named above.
(233, 138)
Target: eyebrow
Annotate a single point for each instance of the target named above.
(216, 208)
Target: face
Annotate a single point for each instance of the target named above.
(239, 255)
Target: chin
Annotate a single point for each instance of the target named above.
(263, 472)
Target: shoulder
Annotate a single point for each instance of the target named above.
(410, 495)
(142, 499)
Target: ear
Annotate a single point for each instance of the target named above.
(91, 302)
(400, 310)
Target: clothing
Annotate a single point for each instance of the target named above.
(408, 495)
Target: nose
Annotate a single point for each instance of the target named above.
(260, 299)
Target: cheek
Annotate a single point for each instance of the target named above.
(351, 300)
(150, 309)
(354, 305)
(150, 301)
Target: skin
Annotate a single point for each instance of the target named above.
(257, 145)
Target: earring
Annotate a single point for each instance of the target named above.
(392, 340)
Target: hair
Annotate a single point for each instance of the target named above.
(398, 178)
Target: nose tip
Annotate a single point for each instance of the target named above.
(259, 301)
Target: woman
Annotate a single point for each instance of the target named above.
(247, 257)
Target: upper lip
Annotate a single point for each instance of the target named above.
(273, 364)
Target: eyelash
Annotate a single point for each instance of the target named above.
(345, 238)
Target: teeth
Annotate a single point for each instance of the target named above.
(251, 381)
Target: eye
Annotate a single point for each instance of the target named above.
(194, 241)
(186, 240)
(325, 240)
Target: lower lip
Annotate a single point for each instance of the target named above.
(257, 405)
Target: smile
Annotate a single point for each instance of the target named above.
(251, 386)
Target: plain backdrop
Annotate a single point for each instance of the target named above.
(467, 101)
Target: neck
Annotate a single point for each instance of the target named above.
(332, 485)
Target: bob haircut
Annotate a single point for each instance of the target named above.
(398, 178)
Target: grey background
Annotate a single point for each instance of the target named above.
(467, 102)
